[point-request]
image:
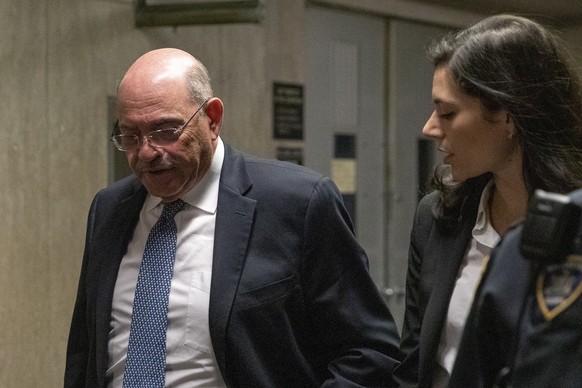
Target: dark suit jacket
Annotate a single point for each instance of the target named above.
(291, 300)
(434, 259)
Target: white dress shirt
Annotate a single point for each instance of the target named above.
(483, 241)
(190, 360)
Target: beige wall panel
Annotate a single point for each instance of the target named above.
(23, 193)
(83, 37)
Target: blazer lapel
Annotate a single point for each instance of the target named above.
(234, 220)
(451, 248)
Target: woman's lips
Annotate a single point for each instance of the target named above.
(447, 154)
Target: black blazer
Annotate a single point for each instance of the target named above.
(435, 256)
(291, 300)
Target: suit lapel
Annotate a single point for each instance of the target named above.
(234, 220)
(112, 245)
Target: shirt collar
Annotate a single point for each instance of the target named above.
(204, 195)
(483, 231)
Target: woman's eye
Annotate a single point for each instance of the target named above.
(447, 115)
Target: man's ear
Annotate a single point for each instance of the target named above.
(214, 110)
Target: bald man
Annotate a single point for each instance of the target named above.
(266, 285)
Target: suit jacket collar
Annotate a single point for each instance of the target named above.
(234, 220)
(112, 244)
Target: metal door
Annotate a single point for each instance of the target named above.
(345, 114)
(367, 96)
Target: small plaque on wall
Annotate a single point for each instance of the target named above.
(287, 111)
(290, 154)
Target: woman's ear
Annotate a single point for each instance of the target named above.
(511, 129)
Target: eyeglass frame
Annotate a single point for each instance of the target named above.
(148, 136)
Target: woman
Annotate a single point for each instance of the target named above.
(508, 119)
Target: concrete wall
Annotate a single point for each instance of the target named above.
(59, 61)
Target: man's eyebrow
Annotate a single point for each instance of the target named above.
(152, 125)
(166, 120)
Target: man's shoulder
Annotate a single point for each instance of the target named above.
(280, 168)
(120, 189)
(262, 169)
(276, 180)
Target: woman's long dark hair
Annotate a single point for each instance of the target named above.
(512, 63)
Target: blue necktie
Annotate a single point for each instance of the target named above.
(146, 354)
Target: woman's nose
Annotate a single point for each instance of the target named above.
(432, 127)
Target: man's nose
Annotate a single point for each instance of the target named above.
(146, 150)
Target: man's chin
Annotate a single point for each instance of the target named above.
(161, 185)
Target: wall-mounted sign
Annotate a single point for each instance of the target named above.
(287, 111)
(290, 154)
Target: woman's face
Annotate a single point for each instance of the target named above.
(473, 140)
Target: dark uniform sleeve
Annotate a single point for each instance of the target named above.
(487, 348)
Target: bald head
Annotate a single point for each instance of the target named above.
(164, 68)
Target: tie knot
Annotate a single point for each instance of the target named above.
(171, 208)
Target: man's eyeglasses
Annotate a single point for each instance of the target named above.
(158, 138)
